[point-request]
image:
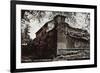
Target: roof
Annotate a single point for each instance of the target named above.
(79, 34)
(72, 32)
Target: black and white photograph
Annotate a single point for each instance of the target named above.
(52, 36)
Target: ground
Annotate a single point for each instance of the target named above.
(63, 54)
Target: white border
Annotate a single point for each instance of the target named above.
(20, 65)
